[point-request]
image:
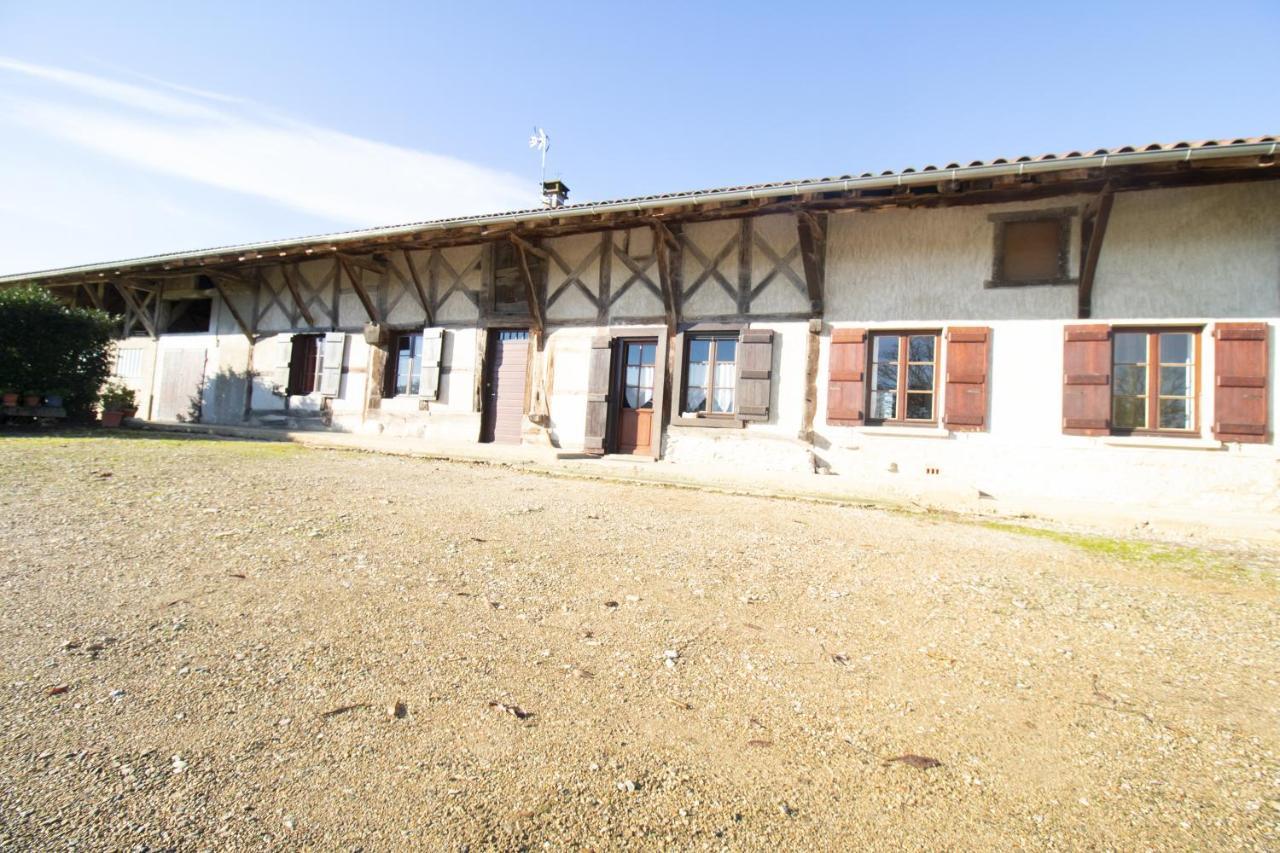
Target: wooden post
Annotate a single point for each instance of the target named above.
(530, 286)
(745, 247)
(812, 231)
(660, 245)
(1097, 232)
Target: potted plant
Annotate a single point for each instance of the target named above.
(31, 399)
(9, 398)
(118, 402)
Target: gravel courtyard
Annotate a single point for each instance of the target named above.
(219, 644)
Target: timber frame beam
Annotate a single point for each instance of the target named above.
(137, 309)
(287, 274)
(423, 298)
(1093, 230)
(812, 230)
(663, 241)
(531, 288)
(221, 287)
(358, 286)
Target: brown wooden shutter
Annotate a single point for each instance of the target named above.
(968, 351)
(597, 394)
(755, 372)
(1086, 380)
(1240, 382)
(846, 397)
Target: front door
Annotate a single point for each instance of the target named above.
(635, 396)
(503, 418)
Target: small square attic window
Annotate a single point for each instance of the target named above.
(1031, 248)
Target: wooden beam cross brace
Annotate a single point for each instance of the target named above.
(137, 309)
(662, 249)
(369, 308)
(245, 328)
(530, 286)
(373, 266)
(292, 283)
(532, 249)
(418, 288)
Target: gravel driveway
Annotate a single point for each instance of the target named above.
(219, 644)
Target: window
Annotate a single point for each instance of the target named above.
(188, 315)
(638, 374)
(509, 296)
(710, 374)
(404, 367)
(903, 365)
(1031, 248)
(129, 364)
(1153, 380)
(304, 364)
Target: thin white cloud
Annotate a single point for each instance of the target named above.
(236, 146)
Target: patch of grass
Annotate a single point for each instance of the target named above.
(1197, 561)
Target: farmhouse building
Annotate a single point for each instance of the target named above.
(1087, 326)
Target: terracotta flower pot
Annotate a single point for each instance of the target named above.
(112, 419)
(10, 399)
(31, 401)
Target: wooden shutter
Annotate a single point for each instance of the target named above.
(845, 383)
(1086, 380)
(432, 345)
(284, 355)
(597, 394)
(1240, 382)
(335, 347)
(755, 373)
(968, 352)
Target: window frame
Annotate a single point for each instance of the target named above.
(680, 369)
(1152, 368)
(392, 373)
(1064, 216)
(712, 363)
(904, 346)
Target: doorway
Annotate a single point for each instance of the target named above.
(506, 368)
(634, 395)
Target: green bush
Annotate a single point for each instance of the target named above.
(117, 397)
(45, 345)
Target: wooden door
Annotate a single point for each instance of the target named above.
(181, 385)
(635, 396)
(504, 386)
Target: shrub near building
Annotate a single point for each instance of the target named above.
(47, 346)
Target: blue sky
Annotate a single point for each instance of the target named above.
(128, 128)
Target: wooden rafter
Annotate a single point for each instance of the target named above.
(369, 308)
(531, 248)
(373, 266)
(94, 292)
(1094, 228)
(423, 298)
(245, 328)
(292, 284)
(813, 252)
(530, 286)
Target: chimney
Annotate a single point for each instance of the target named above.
(554, 193)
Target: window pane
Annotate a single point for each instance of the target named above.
(726, 375)
(920, 377)
(1175, 348)
(697, 376)
(1130, 413)
(700, 349)
(885, 348)
(1175, 414)
(885, 377)
(722, 402)
(920, 407)
(883, 405)
(649, 354)
(1176, 381)
(921, 347)
(726, 348)
(1130, 347)
(1130, 380)
(629, 398)
(646, 377)
(645, 397)
(633, 354)
(633, 376)
(695, 400)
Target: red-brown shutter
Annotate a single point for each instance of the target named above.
(968, 351)
(845, 394)
(1240, 382)
(1086, 380)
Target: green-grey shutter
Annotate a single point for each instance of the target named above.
(755, 374)
(597, 394)
(284, 354)
(432, 346)
(335, 346)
